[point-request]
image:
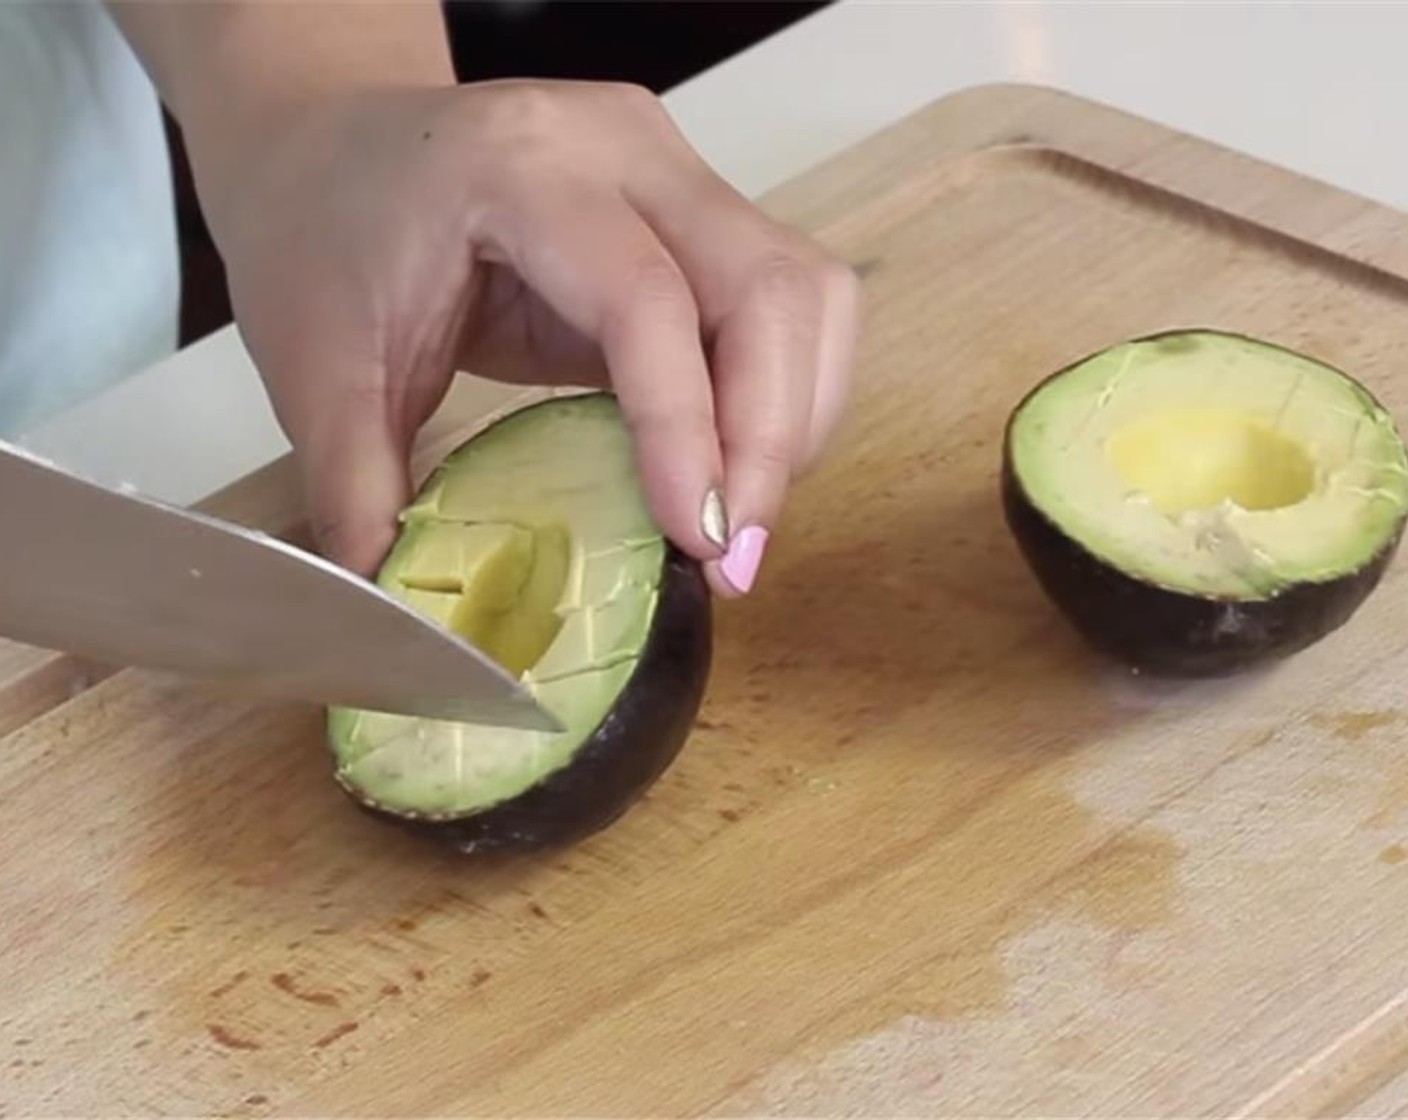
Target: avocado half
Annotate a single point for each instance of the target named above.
(1198, 502)
(533, 540)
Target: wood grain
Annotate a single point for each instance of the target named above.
(924, 854)
(34, 680)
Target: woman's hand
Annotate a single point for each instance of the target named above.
(377, 239)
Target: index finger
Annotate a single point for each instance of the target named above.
(606, 273)
(783, 315)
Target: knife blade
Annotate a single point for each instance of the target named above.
(129, 580)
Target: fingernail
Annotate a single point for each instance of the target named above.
(713, 519)
(744, 557)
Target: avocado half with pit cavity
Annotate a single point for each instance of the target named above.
(1199, 502)
(533, 540)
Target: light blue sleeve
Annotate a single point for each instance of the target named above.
(89, 271)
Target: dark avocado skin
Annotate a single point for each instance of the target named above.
(1163, 632)
(627, 752)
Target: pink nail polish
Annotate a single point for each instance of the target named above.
(745, 555)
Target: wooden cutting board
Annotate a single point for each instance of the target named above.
(923, 855)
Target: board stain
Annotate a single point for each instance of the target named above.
(236, 801)
(228, 1039)
(1353, 726)
(1120, 883)
(1390, 794)
(256, 1099)
(481, 977)
(342, 1030)
(286, 984)
(224, 989)
(1258, 739)
(1068, 1050)
(1125, 885)
(1393, 854)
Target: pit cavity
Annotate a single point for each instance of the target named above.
(1195, 459)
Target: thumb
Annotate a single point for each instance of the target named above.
(354, 461)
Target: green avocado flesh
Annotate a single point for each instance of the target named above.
(533, 541)
(1213, 465)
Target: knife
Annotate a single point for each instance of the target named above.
(125, 579)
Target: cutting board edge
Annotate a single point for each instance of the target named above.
(1017, 114)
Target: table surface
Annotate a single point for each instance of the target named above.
(1312, 87)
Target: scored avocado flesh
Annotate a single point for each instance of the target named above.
(533, 541)
(1213, 464)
